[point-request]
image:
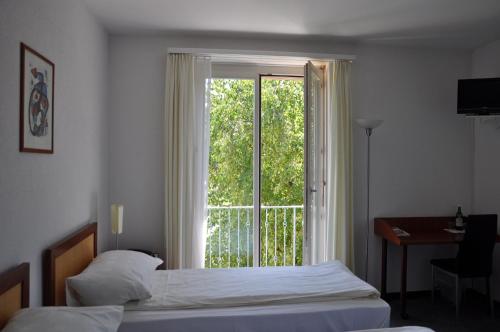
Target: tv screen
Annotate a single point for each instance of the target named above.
(479, 96)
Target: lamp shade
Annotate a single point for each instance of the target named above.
(368, 123)
(116, 218)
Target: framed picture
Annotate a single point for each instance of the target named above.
(36, 102)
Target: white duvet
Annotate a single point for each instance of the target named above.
(202, 288)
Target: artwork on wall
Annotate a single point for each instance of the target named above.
(36, 102)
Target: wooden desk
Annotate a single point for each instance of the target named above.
(423, 230)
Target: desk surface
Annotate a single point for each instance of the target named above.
(423, 230)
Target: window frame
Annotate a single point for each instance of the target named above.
(255, 72)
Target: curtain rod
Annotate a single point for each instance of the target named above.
(262, 54)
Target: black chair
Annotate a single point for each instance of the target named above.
(474, 258)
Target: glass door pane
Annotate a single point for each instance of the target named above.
(281, 170)
(230, 179)
(313, 226)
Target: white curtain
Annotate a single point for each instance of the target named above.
(338, 209)
(186, 159)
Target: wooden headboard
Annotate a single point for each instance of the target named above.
(14, 291)
(67, 258)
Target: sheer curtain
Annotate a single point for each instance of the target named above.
(338, 209)
(186, 159)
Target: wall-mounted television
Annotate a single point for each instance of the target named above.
(479, 96)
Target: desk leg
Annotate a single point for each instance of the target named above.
(383, 288)
(404, 260)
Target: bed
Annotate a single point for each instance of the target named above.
(14, 291)
(14, 295)
(17, 316)
(71, 255)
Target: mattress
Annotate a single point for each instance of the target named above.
(331, 316)
(216, 288)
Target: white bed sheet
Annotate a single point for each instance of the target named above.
(329, 316)
(203, 288)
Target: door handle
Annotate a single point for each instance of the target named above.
(313, 190)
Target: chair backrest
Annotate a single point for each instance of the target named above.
(475, 253)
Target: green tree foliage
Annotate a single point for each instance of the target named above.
(231, 143)
(282, 142)
(230, 240)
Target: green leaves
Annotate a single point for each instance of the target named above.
(231, 143)
(282, 126)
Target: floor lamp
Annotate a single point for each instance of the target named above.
(368, 125)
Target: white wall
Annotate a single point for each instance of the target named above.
(45, 197)
(486, 63)
(422, 155)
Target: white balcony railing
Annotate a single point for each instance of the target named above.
(230, 234)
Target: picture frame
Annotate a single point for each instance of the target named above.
(36, 105)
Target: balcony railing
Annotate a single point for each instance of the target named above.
(230, 234)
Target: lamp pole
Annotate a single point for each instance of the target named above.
(369, 132)
(368, 125)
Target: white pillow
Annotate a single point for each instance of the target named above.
(64, 319)
(114, 277)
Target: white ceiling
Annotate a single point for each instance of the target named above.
(441, 23)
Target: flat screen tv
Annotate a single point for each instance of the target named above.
(479, 96)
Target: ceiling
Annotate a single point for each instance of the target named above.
(437, 23)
